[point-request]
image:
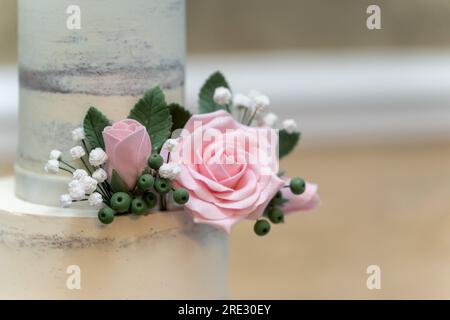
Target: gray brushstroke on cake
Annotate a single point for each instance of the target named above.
(109, 81)
(17, 238)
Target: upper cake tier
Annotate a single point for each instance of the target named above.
(121, 49)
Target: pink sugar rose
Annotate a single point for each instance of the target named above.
(225, 181)
(128, 147)
(306, 201)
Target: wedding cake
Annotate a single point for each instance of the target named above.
(147, 191)
(105, 53)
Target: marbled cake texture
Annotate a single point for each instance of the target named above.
(114, 35)
(121, 50)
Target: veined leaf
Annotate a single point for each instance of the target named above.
(93, 125)
(179, 116)
(152, 112)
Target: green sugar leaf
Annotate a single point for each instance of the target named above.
(152, 112)
(94, 123)
(179, 116)
(287, 142)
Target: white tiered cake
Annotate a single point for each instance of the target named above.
(121, 50)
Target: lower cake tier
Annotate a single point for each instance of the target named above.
(55, 253)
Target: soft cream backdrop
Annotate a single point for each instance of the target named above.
(8, 31)
(385, 206)
(291, 24)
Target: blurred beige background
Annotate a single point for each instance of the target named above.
(226, 26)
(385, 196)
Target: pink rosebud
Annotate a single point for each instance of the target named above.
(306, 201)
(128, 147)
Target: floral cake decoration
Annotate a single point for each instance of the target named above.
(220, 165)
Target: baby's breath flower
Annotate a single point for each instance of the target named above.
(78, 134)
(65, 200)
(97, 157)
(261, 102)
(169, 171)
(77, 192)
(79, 174)
(270, 119)
(77, 152)
(75, 184)
(100, 175)
(55, 155)
(95, 199)
(171, 144)
(89, 184)
(290, 125)
(52, 166)
(222, 95)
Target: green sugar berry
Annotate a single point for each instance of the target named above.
(121, 202)
(138, 206)
(277, 199)
(267, 210)
(276, 215)
(145, 182)
(162, 186)
(262, 227)
(297, 185)
(155, 161)
(106, 215)
(181, 196)
(150, 200)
